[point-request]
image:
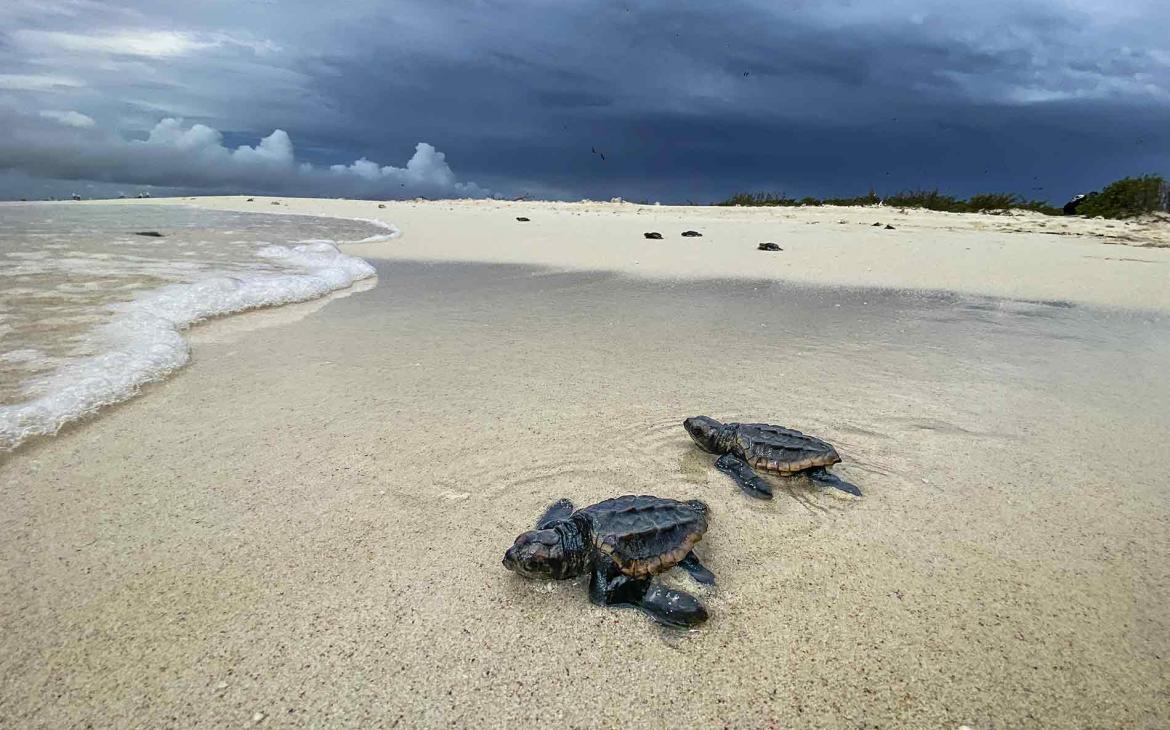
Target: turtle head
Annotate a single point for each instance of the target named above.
(705, 431)
(543, 554)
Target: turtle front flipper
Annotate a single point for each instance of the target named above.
(610, 587)
(825, 478)
(697, 570)
(742, 473)
(557, 511)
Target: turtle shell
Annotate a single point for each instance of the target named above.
(780, 450)
(645, 535)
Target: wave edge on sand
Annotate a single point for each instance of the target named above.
(143, 343)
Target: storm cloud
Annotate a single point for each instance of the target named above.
(659, 100)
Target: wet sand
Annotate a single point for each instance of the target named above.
(304, 527)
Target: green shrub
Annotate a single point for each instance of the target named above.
(929, 199)
(740, 199)
(993, 201)
(1039, 206)
(759, 199)
(1126, 198)
(870, 198)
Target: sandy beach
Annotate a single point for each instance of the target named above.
(1109, 263)
(304, 526)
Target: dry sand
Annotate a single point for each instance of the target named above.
(1019, 256)
(304, 527)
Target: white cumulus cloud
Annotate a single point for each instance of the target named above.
(194, 157)
(69, 118)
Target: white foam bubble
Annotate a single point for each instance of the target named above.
(143, 341)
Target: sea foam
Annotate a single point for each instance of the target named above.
(143, 341)
(392, 229)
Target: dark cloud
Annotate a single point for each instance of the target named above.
(686, 99)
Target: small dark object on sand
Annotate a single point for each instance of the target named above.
(1070, 208)
(522, 219)
(653, 235)
(276, 202)
(692, 234)
(889, 227)
(623, 543)
(148, 234)
(876, 225)
(250, 200)
(772, 449)
(381, 205)
(768, 247)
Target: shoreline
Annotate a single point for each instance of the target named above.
(307, 522)
(136, 338)
(217, 330)
(1026, 257)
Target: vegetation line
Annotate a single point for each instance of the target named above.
(1123, 198)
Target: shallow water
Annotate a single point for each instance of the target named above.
(89, 310)
(316, 513)
(881, 364)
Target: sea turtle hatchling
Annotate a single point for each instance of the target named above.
(623, 543)
(771, 449)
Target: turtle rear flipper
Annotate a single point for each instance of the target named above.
(609, 587)
(697, 570)
(824, 478)
(742, 473)
(672, 608)
(557, 511)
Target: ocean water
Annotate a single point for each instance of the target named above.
(90, 310)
